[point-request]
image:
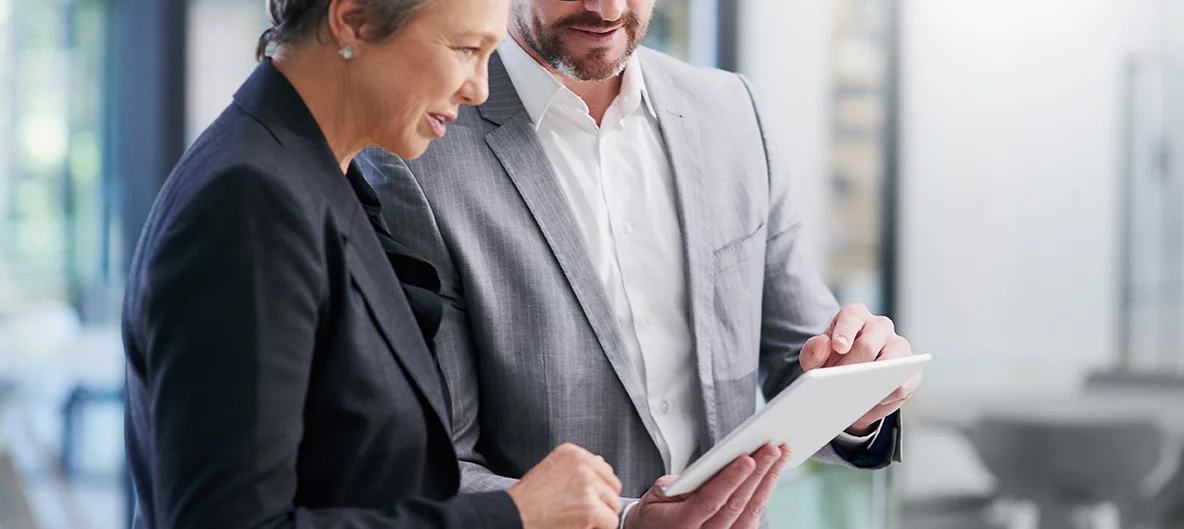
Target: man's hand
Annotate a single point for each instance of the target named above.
(570, 489)
(856, 336)
(736, 497)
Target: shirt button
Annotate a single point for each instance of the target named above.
(665, 406)
(627, 228)
(648, 320)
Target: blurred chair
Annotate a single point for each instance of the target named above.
(961, 512)
(1166, 509)
(81, 397)
(15, 510)
(1069, 467)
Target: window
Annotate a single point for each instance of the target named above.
(61, 364)
(686, 29)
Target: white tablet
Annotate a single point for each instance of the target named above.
(807, 416)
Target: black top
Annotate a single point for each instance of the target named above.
(277, 376)
(420, 282)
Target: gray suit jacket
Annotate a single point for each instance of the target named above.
(529, 345)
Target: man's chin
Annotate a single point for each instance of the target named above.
(597, 69)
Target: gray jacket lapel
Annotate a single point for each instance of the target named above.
(517, 146)
(680, 126)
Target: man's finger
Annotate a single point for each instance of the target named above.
(913, 383)
(815, 352)
(904, 392)
(897, 347)
(847, 326)
(606, 518)
(751, 518)
(713, 495)
(765, 458)
(879, 413)
(870, 341)
(656, 494)
(609, 497)
(605, 471)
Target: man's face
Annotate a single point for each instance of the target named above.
(589, 40)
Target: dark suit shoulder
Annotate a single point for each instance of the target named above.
(238, 166)
(235, 144)
(236, 188)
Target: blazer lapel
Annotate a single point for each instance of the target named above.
(270, 98)
(680, 125)
(392, 314)
(517, 146)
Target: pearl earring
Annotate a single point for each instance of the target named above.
(347, 52)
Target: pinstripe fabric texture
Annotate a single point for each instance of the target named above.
(529, 346)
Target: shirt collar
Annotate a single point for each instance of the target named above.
(540, 89)
(633, 89)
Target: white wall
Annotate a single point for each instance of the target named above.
(1009, 192)
(221, 55)
(784, 52)
(1010, 159)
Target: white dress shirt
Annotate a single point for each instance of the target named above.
(620, 185)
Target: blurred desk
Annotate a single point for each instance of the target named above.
(1163, 408)
(1067, 452)
(1166, 408)
(47, 354)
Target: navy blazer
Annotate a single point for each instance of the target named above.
(277, 376)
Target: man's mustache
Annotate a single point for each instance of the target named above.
(590, 20)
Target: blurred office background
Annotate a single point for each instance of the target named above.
(1000, 176)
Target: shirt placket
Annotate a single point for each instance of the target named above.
(629, 236)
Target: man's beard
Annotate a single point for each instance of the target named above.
(548, 43)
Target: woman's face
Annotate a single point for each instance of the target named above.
(413, 85)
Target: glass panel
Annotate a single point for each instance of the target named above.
(61, 365)
(669, 31)
(685, 29)
(823, 497)
(829, 496)
(859, 65)
(1153, 209)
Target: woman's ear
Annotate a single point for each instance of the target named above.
(347, 20)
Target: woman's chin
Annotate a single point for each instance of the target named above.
(410, 149)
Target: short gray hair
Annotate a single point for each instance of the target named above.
(296, 22)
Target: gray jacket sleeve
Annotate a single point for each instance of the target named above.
(797, 305)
